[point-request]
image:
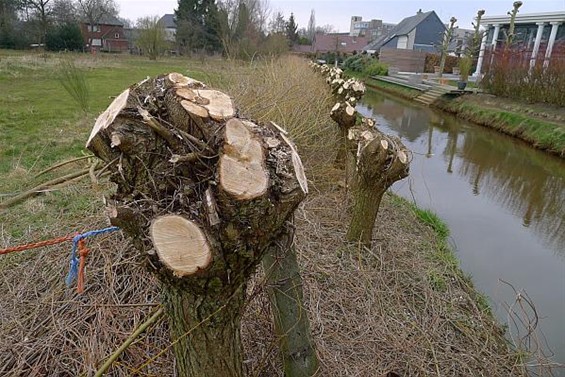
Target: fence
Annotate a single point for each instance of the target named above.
(403, 60)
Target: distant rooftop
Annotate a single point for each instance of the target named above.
(526, 18)
(403, 28)
(169, 21)
(109, 20)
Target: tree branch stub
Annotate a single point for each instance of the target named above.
(181, 245)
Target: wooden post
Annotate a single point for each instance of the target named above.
(292, 326)
(202, 193)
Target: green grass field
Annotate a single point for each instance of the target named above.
(39, 120)
(41, 124)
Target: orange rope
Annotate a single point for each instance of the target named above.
(83, 253)
(36, 245)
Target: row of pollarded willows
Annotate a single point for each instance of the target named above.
(373, 160)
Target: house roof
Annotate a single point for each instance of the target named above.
(168, 20)
(110, 20)
(526, 18)
(342, 42)
(403, 28)
(302, 48)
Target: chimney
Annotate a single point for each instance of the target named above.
(419, 11)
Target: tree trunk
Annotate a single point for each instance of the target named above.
(344, 115)
(380, 161)
(202, 194)
(292, 326)
(207, 331)
(366, 204)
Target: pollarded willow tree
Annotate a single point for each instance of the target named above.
(202, 193)
(152, 37)
(380, 160)
(374, 160)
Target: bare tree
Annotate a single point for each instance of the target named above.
(64, 12)
(311, 31)
(258, 10)
(152, 36)
(447, 38)
(326, 29)
(241, 19)
(40, 10)
(93, 11)
(277, 24)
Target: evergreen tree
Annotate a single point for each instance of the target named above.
(243, 21)
(8, 16)
(292, 30)
(198, 25)
(66, 36)
(278, 24)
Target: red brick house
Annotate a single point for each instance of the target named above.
(107, 35)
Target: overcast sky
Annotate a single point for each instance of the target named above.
(338, 12)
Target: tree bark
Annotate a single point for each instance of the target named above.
(292, 326)
(206, 329)
(202, 193)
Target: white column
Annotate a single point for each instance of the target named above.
(552, 36)
(481, 53)
(537, 43)
(495, 36)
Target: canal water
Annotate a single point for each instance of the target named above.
(504, 203)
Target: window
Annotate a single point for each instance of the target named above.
(402, 42)
(117, 35)
(94, 28)
(97, 42)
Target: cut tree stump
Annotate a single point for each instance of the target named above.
(202, 193)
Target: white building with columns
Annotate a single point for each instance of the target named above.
(535, 34)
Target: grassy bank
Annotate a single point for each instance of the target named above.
(402, 307)
(543, 128)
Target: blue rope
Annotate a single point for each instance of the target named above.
(74, 262)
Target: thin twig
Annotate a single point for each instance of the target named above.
(128, 341)
(61, 164)
(38, 189)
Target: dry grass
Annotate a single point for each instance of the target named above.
(396, 308)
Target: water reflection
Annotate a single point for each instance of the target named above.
(503, 201)
(522, 180)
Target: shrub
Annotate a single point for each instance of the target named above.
(465, 64)
(73, 79)
(64, 37)
(351, 62)
(510, 76)
(356, 63)
(376, 68)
